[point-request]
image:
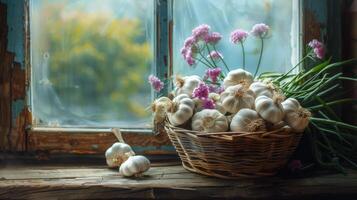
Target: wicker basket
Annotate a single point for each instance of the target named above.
(231, 154)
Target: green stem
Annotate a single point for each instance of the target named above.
(301, 61)
(332, 103)
(209, 65)
(224, 63)
(209, 52)
(243, 52)
(327, 121)
(260, 56)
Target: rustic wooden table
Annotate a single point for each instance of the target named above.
(54, 181)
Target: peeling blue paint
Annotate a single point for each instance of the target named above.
(16, 32)
(17, 107)
(167, 148)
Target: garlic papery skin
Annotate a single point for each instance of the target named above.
(237, 97)
(181, 110)
(262, 89)
(186, 84)
(159, 107)
(247, 120)
(269, 109)
(134, 166)
(296, 116)
(238, 76)
(117, 154)
(209, 121)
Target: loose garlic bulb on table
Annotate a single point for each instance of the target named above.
(117, 154)
(238, 76)
(237, 97)
(181, 109)
(247, 120)
(296, 116)
(186, 84)
(209, 121)
(135, 165)
(270, 109)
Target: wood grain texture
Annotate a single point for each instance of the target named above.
(96, 142)
(170, 182)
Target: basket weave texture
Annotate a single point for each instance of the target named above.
(233, 154)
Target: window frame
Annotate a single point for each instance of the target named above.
(18, 136)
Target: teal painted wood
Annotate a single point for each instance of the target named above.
(328, 14)
(16, 43)
(162, 45)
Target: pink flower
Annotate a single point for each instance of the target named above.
(215, 89)
(213, 74)
(320, 52)
(238, 35)
(201, 32)
(260, 30)
(208, 104)
(184, 52)
(189, 57)
(295, 165)
(190, 60)
(319, 49)
(156, 83)
(201, 91)
(215, 55)
(213, 38)
(189, 42)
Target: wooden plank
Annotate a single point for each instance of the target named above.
(173, 182)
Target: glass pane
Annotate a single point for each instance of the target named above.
(90, 62)
(224, 16)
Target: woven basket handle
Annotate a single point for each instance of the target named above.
(118, 135)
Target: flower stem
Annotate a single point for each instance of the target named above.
(260, 56)
(209, 51)
(243, 52)
(225, 64)
(208, 64)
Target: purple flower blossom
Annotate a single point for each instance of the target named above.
(295, 165)
(213, 74)
(201, 91)
(208, 104)
(238, 35)
(213, 38)
(156, 83)
(260, 30)
(319, 49)
(184, 52)
(215, 55)
(201, 32)
(189, 42)
(215, 89)
(190, 60)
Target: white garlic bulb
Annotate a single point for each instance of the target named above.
(247, 120)
(237, 97)
(269, 109)
(186, 84)
(209, 121)
(181, 109)
(296, 116)
(117, 154)
(135, 165)
(159, 108)
(238, 76)
(262, 89)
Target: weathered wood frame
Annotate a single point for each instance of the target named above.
(319, 20)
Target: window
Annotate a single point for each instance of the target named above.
(226, 15)
(90, 59)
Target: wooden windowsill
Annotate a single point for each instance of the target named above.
(29, 181)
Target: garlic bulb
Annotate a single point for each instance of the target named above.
(237, 97)
(270, 109)
(296, 116)
(181, 109)
(261, 89)
(216, 100)
(160, 107)
(117, 154)
(186, 84)
(209, 121)
(135, 165)
(238, 76)
(247, 120)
